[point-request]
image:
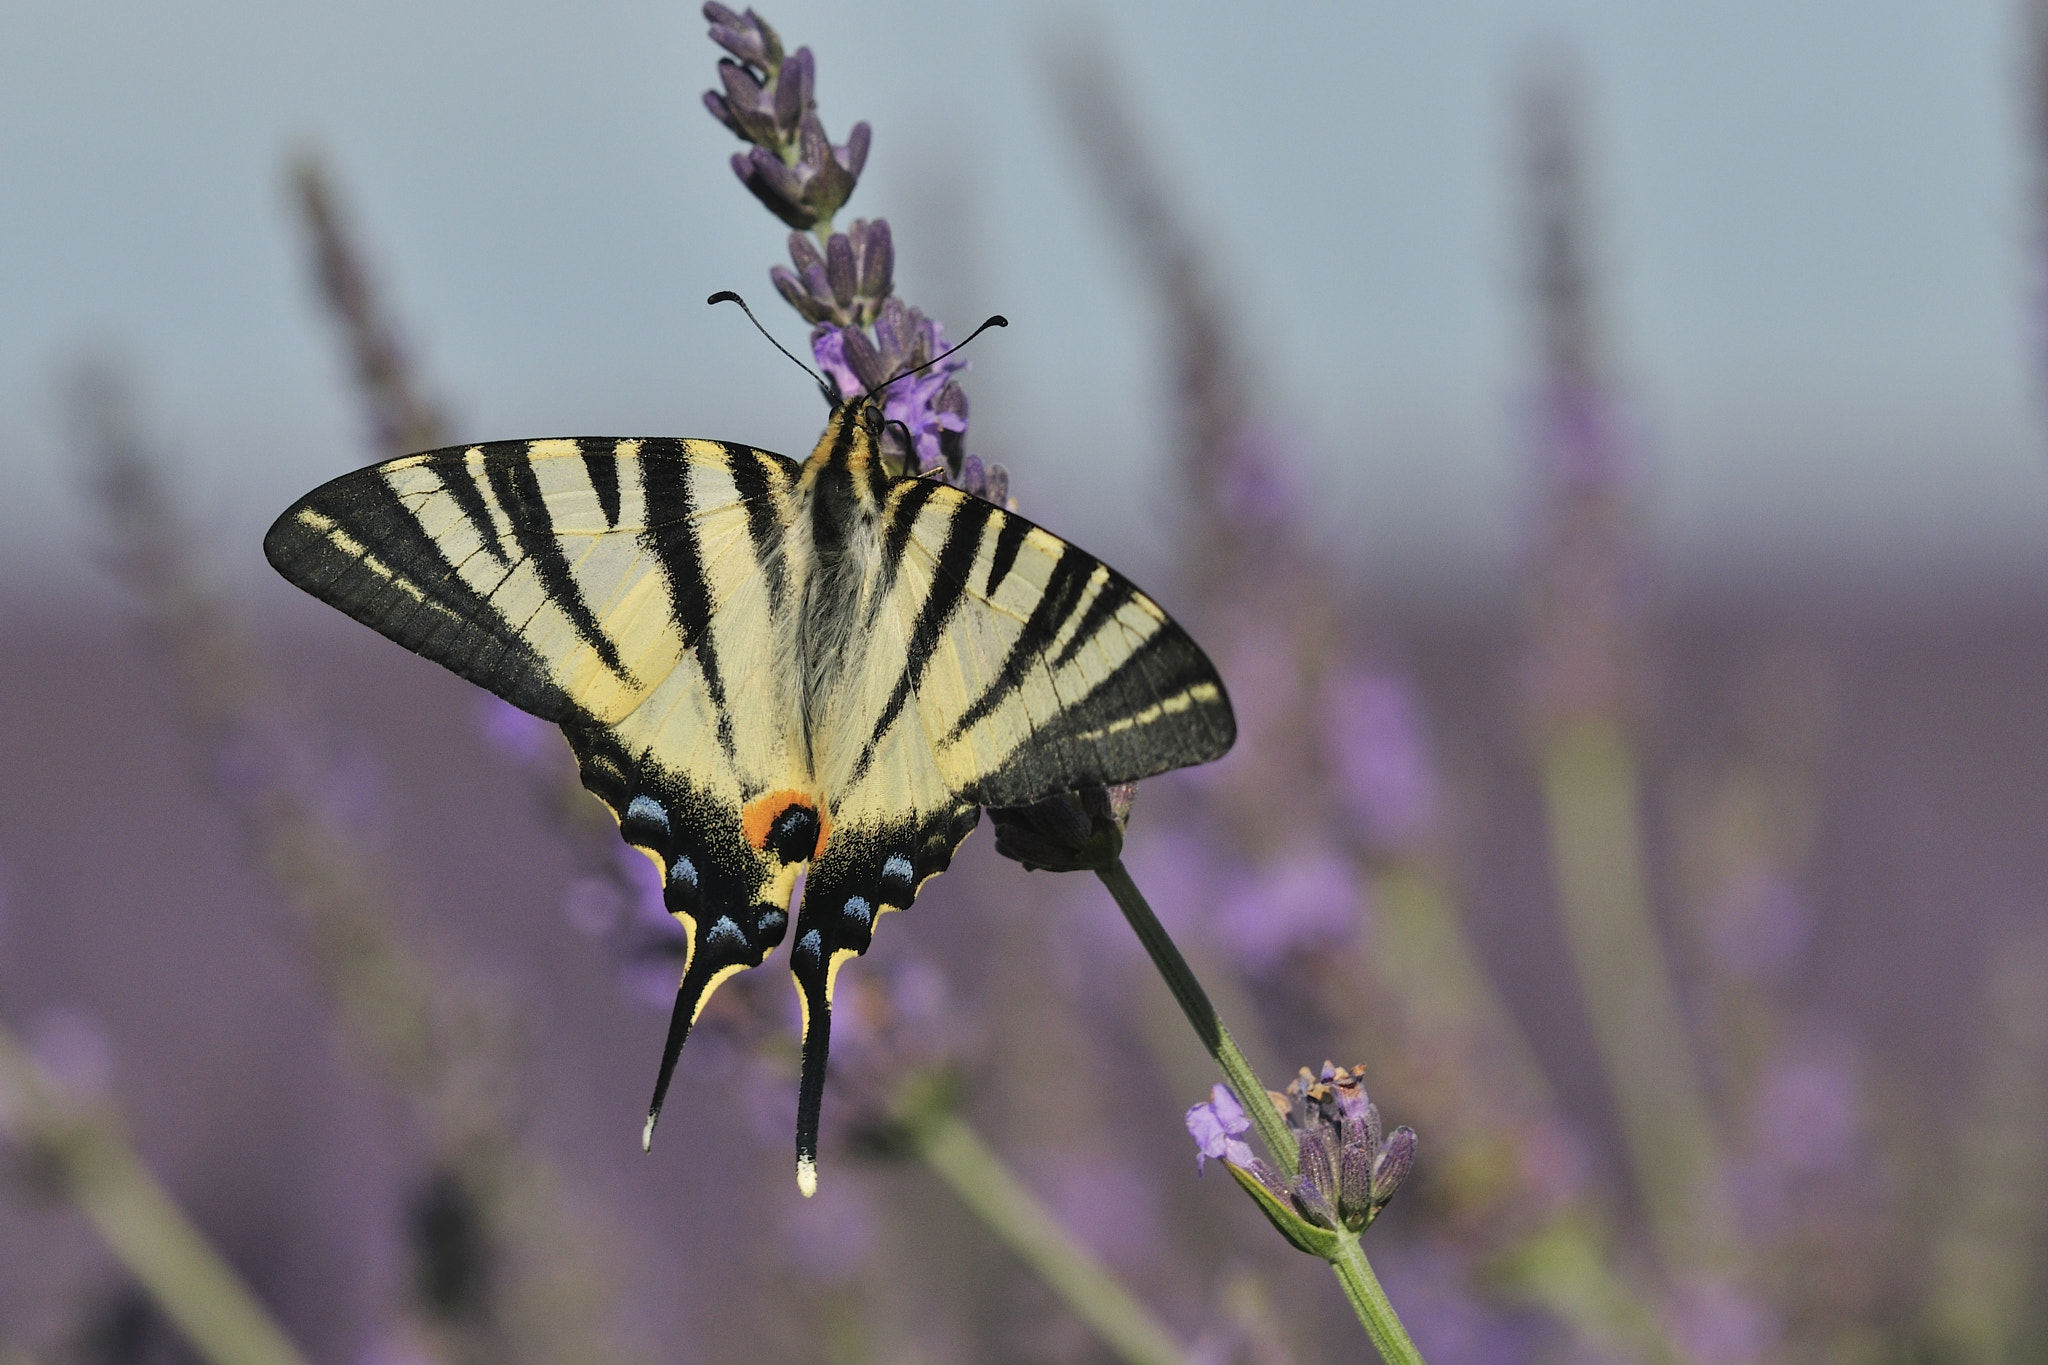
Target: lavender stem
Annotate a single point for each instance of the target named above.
(1353, 1271)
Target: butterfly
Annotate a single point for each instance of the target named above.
(764, 667)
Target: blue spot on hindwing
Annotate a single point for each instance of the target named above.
(683, 872)
(897, 867)
(858, 911)
(809, 946)
(726, 934)
(645, 820)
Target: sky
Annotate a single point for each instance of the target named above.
(1813, 241)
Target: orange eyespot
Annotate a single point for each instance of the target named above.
(786, 823)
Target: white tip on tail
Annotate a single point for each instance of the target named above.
(807, 1176)
(647, 1135)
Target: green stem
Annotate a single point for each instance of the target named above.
(1354, 1272)
(1208, 1026)
(1089, 1289)
(146, 1230)
(1590, 789)
(1369, 1302)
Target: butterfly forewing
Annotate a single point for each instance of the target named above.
(1010, 666)
(624, 589)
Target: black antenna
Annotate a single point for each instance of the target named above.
(727, 296)
(994, 320)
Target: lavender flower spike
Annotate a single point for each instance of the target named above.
(1215, 1127)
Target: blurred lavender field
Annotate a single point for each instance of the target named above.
(1702, 933)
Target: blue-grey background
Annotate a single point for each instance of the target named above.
(1815, 239)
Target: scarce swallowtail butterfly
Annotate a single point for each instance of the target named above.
(764, 666)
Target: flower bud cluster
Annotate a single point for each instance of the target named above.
(845, 287)
(792, 167)
(842, 283)
(924, 413)
(1349, 1169)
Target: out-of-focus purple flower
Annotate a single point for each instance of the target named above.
(1253, 491)
(1381, 756)
(518, 735)
(834, 1239)
(1110, 1205)
(1295, 904)
(1715, 1323)
(268, 757)
(1578, 438)
(1215, 1126)
(1807, 1108)
(1449, 1324)
(71, 1050)
(1757, 923)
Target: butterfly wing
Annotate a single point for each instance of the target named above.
(629, 591)
(998, 665)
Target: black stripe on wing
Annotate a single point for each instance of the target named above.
(1162, 708)
(671, 536)
(1063, 589)
(751, 475)
(355, 545)
(948, 590)
(517, 488)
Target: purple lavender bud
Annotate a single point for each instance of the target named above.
(1351, 1100)
(890, 327)
(828, 347)
(1354, 1182)
(999, 494)
(793, 90)
(741, 89)
(1313, 1203)
(771, 42)
(1215, 1127)
(829, 185)
(877, 255)
(863, 359)
(1318, 1166)
(796, 296)
(974, 476)
(721, 17)
(1393, 1164)
(740, 44)
(810, 268)
(854, 155)
(840, 272)
(774, 184)
(721, 111)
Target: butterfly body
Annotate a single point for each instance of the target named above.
(764, 667)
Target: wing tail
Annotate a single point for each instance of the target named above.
(862, 874)
(719, 949)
